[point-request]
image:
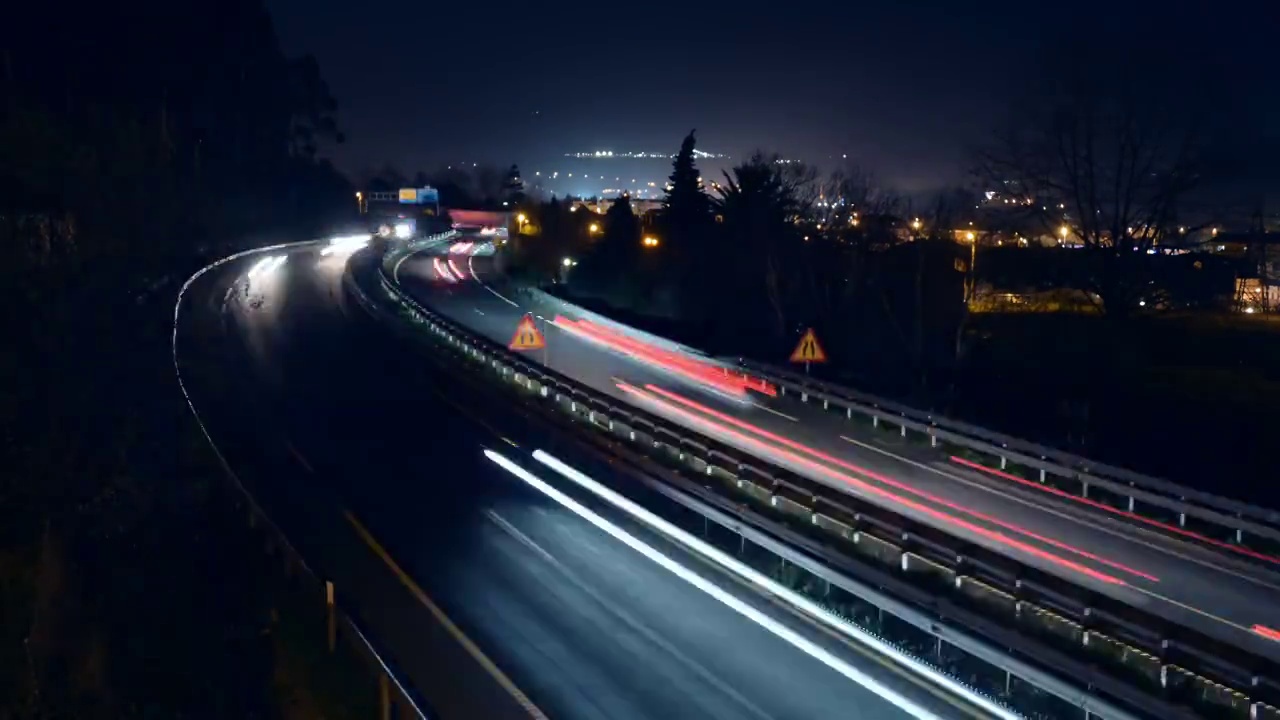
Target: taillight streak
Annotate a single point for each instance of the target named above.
(740, 379)
(893, 483)
(874, 490)
(1267, 632)
(1124, 513)
(441, 270)
(716, 377)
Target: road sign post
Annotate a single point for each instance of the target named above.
(528, 337)
(808, 350)
(332, 619)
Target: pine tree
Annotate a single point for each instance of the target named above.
(686, 206)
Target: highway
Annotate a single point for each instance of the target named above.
(494, 599)
(1216, 592)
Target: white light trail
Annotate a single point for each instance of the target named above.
(792, 598)
(715, 591)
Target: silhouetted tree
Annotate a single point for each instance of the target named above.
(761, 202)
(513, 187)
(610, 268)
(1110, 154)
(686, 208)
(135, 141)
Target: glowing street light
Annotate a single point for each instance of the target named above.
(1064, 231)
(916, 224)
(568, 262)
(593, 228)
(969, 236)
(520, 218)
(649, 241)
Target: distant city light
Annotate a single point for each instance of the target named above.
(643, 155)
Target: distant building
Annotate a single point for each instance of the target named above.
(640, 206)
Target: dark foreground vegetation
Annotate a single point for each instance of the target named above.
(130, 581)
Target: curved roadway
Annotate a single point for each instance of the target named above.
(1214, 592)
(354, 448)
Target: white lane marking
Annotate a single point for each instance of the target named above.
(637, 626)
(503, 680)
(775, 412)
(478, 311)
(471, 267)
(1069, 517)
(395, 271)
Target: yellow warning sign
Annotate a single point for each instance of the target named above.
(808, 350)
(527, 336)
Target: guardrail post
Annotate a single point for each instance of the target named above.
(384, 697)
(331, 612)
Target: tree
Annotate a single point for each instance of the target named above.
(847, 229)
(312, 108)
(611, 268)
(513, 187)
(124, 163)
(686, 208)
(1109, 157)
(762, 202)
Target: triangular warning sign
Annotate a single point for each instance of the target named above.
(527, 336)
(808, 350)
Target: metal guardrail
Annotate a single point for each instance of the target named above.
(392, 693)
(1144, 644)
(1228, 520)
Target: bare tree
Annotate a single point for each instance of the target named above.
(1105, 160)
(836, 268)
(863, 192)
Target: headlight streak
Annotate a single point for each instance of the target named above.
(266, 266)
(750, 612)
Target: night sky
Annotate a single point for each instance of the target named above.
(903, 88)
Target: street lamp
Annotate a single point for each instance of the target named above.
(593, 228)
(649, 241)
(916, 224)
(969, 236)
(1063, 231)
(520, 218)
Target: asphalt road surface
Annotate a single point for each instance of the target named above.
(479, 589)
(1211, 591)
